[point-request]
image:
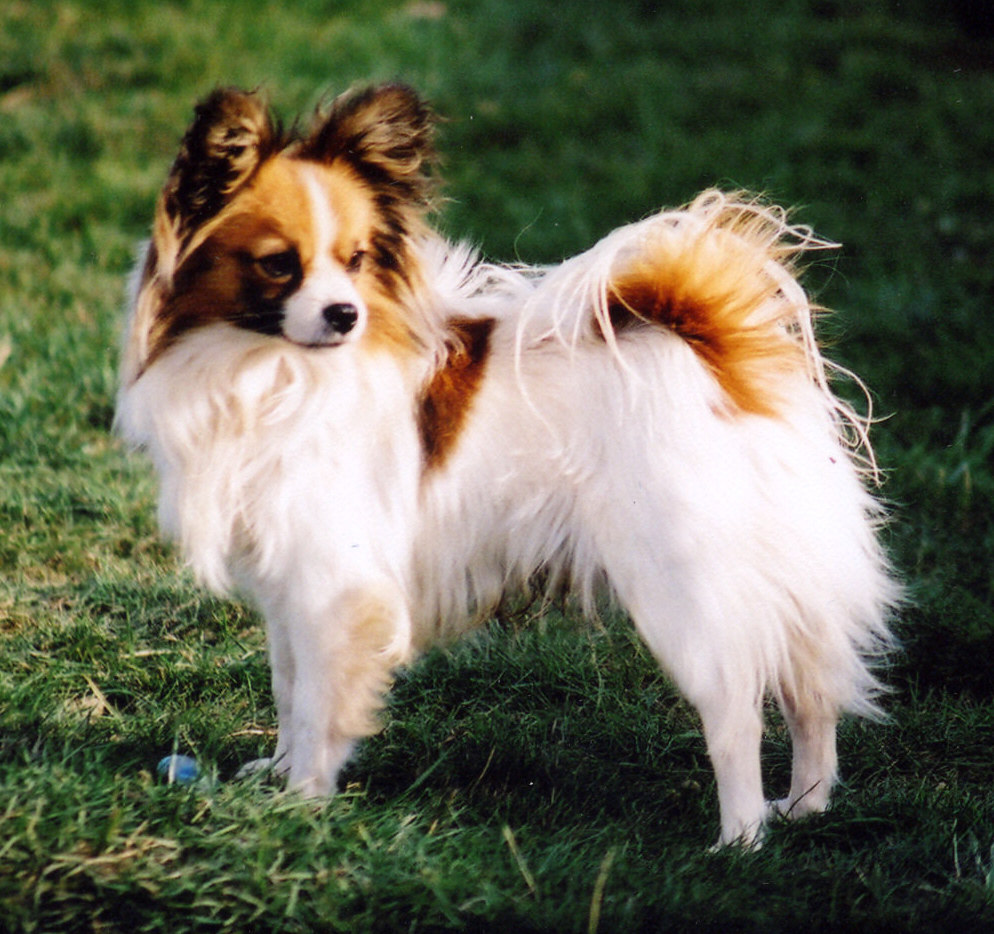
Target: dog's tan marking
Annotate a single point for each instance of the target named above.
(713, 286)
(450, 394)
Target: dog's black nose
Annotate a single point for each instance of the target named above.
(341, 317)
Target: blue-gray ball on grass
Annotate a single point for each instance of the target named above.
(180, 769)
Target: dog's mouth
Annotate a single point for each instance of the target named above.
(316, 345)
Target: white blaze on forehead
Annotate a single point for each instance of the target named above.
(325, 223)
(325, 281)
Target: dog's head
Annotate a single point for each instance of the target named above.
(304, 237)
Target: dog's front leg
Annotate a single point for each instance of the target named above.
(342, 663)
(312, 738)
(281, 665)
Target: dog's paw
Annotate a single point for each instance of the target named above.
(746, 843)
(262, 769)
(748, 837)
(794, 808)
(781, 808)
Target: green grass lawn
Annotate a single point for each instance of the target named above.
(538, 777)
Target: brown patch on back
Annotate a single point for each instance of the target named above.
(449, 396)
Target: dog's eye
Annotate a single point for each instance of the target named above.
(282, 265)
(355, 261)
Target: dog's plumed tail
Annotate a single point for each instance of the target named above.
(719, 274)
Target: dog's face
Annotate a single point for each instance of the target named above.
(288, 258)
(304, 239)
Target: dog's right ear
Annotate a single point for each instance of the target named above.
(232, 134)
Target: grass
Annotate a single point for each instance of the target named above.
(538, 777)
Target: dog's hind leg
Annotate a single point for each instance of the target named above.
(733, 729)
(727, 692)
(812, 723)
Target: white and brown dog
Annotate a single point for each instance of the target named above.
(374, 436)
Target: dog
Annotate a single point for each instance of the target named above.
(374, 436)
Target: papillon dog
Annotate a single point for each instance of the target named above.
(374, 436)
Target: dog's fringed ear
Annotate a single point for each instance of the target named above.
(231, 135)
(385, 132)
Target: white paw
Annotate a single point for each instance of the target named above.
(781, 807)
(793, 808)
(749, 837)
(273, 766)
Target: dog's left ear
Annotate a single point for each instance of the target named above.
(385, 132)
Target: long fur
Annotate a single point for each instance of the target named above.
(651, 419)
